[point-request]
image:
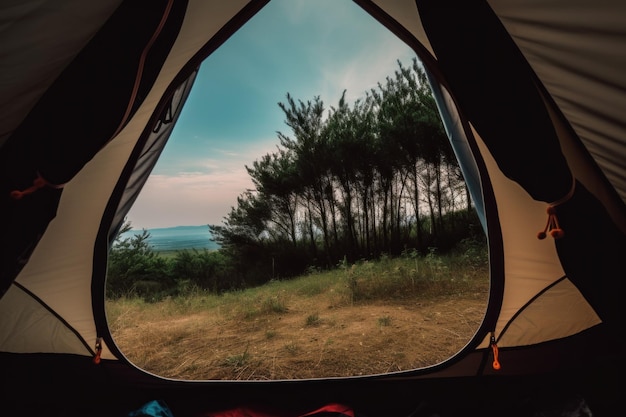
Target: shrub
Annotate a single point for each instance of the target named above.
(135, 269)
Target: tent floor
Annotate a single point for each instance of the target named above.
(68, 386)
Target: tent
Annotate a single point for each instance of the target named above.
(532, 94)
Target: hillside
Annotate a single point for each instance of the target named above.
(307, 328)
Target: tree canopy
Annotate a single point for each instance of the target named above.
(350, 182)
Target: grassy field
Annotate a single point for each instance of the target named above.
(369, 318)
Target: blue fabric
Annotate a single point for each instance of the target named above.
(155, 408)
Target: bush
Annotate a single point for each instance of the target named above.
(206, 269)
(135, 269)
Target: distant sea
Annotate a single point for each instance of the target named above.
(178, 238)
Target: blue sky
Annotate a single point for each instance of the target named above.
(306, 48)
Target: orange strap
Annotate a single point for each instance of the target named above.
(38, 183)
(552, 226)
(142, 61)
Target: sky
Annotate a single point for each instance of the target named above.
(306, 48)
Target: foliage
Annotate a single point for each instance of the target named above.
(205, 269)
(420, 277)
(355, 181)
(135, 269)
(372, 180)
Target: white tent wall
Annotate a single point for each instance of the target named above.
(577, 61)
(61, 266)
(547, 300)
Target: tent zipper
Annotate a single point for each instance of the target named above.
(494, 347)
(98, 351)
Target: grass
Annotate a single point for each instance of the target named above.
(313, 319)
(384, 321)
(366, 318)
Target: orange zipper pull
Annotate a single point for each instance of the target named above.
(494, 348)
(96, 357)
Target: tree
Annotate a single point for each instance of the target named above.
(134, 268)
(310, 150)
(369, 178)
(243, 238)
(205, 269)
(275, 178)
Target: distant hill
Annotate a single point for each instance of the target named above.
(179, 238)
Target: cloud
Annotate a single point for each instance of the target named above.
(361, 73)
(198, 196)
(187, 199)
(294, 11)
(342, 48)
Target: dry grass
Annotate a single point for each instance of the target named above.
(359, 321)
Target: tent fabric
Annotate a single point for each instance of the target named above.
(531, 94)
(120, 64)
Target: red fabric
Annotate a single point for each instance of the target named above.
(333, 408)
